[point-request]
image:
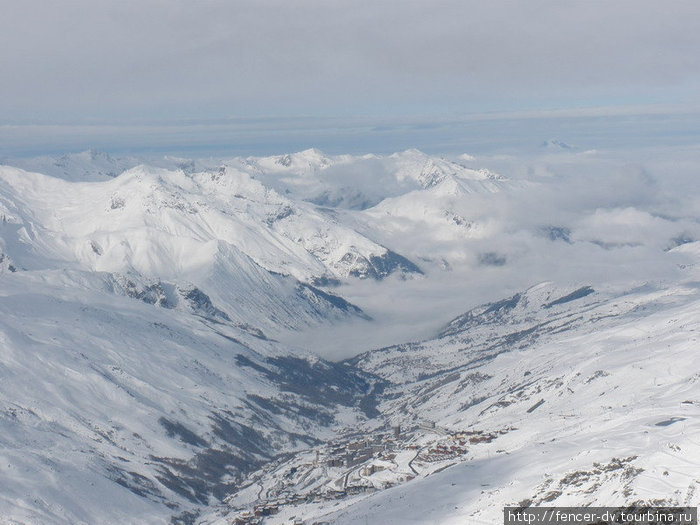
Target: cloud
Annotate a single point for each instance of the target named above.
(615, 215)
(154, 59)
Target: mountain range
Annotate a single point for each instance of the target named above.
(332, 339)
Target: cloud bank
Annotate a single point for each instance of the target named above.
(79, 60)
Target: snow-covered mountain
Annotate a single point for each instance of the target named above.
(224, 232)
(568, 397)
(94, 165)
(117, 410)
(148, 310)
(360, 182)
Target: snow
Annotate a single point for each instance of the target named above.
(610, 424)
(90, 382)
(165, 325)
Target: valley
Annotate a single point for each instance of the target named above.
(306, 338)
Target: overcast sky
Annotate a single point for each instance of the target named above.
(145, 61)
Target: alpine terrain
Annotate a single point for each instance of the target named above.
(307, 338)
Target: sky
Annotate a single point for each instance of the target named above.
(158, 72)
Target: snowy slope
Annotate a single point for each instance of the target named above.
(94, 165)
(417, 204)
(143, 314)
(254, 251)
(91, 165)
(593, 404)
(360, 182)
(115, 410)
(551, 397)
(182, 218)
